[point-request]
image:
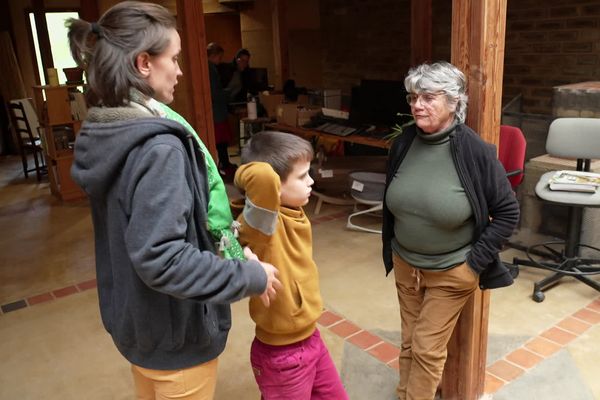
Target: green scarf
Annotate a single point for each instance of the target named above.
(220, 221)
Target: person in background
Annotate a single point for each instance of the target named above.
(288, 356)
(220, 99)
(234, 76)
(448, 209)
(163, 289)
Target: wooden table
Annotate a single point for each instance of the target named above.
(311, 133)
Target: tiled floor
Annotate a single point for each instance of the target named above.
(53, 345)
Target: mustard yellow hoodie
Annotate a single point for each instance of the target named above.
(281, 236)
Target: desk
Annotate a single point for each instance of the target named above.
(311, 133)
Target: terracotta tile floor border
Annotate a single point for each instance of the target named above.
(344, 329)
(46, 297)
(524, 358)
(91, 284)
(558, 336)
(498, 374)
(542, 346)
(328, 318)
(364, 340)
(505, 370)
(385, 352)
(501, 372)
(66, 291)
(588, 315)
(492, 384)
(40, 298)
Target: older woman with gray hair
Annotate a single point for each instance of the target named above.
(448, 209)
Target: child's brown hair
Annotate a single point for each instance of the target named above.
(281, 150)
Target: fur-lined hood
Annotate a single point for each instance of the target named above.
(108, 136)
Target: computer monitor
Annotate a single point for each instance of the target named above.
(257, 80)
(377, 102)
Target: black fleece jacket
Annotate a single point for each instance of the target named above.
(495, 208)
(163, 290)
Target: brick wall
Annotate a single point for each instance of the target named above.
(549, 43)
(364, 39)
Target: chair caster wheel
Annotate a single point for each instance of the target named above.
(538, 297)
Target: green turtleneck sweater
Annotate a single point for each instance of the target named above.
(434, 222)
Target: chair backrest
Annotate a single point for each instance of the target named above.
(511, 152)
(24, 119)
(574, 138)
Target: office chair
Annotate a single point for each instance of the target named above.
(511, 153)
(575, 138)
(366, 188)
(23, 119)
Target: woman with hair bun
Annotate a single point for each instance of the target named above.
(163, 288)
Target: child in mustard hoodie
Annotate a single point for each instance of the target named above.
(288, 356)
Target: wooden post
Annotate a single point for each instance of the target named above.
(39, 15)
(478, 30)
(89, 10)
(280, 42)
(420, 32)
(190, 16)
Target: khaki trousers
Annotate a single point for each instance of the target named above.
(430, 304)
(194, 383)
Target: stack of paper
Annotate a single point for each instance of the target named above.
(575, 181)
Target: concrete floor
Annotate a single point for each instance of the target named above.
(53, 346)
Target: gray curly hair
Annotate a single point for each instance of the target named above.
(440, 76)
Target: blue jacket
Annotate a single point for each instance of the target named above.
(163, 290)
(495, 207)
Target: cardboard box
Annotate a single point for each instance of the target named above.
(306, 113)
(287, 114)
(270, 101)
(294, 114)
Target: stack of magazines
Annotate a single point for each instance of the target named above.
(575, 181)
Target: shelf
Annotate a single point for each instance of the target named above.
(59, 130)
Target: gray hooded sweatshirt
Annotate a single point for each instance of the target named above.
(164, 293)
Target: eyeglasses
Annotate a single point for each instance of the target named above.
(426, 98)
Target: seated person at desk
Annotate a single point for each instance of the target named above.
(234, 76)
(220, 98)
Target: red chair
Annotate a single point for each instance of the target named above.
(511, 153)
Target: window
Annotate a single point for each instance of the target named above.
(59, 44)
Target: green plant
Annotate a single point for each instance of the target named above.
(398, 128)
